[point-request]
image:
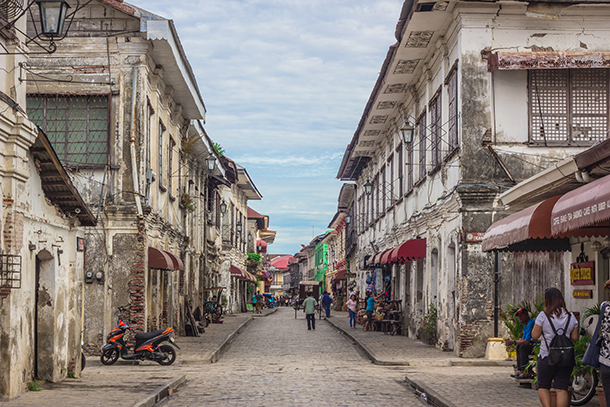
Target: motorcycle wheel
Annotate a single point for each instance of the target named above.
(584, 388)
(171, 355)
(109, 356)
(83, 362)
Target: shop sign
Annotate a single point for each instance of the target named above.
(474, 237)
(582, 273)
(582, 293)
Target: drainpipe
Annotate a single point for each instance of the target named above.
(132, 143)
(496, 283)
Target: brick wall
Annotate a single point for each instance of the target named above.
(137, 288)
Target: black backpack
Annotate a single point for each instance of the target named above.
(561, 348)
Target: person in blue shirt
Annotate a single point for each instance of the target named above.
(326, 301)
(524, 345)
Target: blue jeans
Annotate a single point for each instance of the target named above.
(327, 309)
(352, 318)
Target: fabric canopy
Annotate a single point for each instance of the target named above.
(375, 259)
(385, 256)
(159, 259)
(408, 251)
(241, 274)
(586, 206)
(533, 222)
(262, 245)
(176, 261)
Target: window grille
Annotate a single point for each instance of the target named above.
(10, 271)
(452, 91)
(568, 106)
(436, 124)
(421, 127)
(410, 166)
(400, 169)
(77, 126)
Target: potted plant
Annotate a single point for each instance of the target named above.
(427, 332)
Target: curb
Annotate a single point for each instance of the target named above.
(481, 362)
(430, 395)
(160, 393)
(365, 349)
(216, 354)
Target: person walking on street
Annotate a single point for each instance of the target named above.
(326, 301)
(309, 308)
(254, 306)
(554, 320)
(259, 302)
(352, 305)
(370, 307)
(524, 344)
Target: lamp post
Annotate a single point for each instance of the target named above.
(223, 207)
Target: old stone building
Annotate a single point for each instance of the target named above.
(42, 226)
(474, 97)
(122, 108)
(235, 196)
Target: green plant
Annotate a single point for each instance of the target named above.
(224, 301)
(255, 257)
(531, 367)
(33, 385)
(71, 375)
(218, 148)
(187, 201)
(580, 346)
(428, 327)
(591, 311)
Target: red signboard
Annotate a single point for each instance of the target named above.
(582, 293)
(474, 237)
(582, 273)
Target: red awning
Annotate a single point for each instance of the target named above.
(177, 263)
(530, 223)
(385, 256)
(586, 206)
(261, 245)
(158, 259)
(408, 251)
(238, 273)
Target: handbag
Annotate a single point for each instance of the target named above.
(591, 356)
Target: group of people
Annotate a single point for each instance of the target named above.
(554, 321)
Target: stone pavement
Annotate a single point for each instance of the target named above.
(447, 380)
(128, 384)
(276, 361)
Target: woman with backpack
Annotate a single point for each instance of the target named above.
(604, 342)
(559, 330)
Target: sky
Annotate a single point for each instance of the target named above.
(285, 83)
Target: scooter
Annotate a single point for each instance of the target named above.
(148, 345)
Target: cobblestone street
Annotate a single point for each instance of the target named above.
(276, 361)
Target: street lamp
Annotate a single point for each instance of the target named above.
(368, 187)
(223, 207)
(238, 227)
(52, 16)
(407, 132)
(348, 219)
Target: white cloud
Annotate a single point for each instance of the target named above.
(285, 83)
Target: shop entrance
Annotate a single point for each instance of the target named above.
(44, 316)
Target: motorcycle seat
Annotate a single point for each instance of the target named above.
(143, 337)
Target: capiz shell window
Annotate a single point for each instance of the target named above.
(568, 106)
(77, 126)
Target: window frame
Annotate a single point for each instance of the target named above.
(452, 106)
(436, 128)
(45, 97)
(569, 106)
(421, 139)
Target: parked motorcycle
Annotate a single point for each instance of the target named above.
(148, 345)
